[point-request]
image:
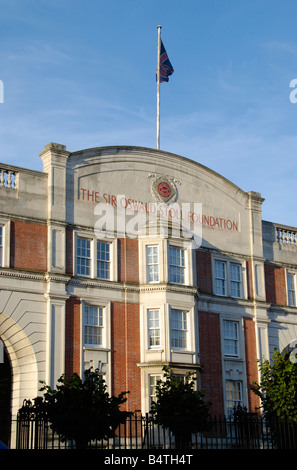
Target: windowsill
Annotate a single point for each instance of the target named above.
(228, 297)
(182, 351)
(179, 351)
(92, 347)
(232, 358)
(81, 276)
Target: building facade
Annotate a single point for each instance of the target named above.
(126, 259)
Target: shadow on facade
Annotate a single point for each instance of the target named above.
(5, 398)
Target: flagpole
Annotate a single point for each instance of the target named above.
(158, 87)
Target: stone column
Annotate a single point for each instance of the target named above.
(54, 157)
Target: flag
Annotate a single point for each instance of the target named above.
(166, 68)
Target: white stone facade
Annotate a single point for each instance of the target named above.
(195, 284)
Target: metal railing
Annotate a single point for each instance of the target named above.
(141, 432)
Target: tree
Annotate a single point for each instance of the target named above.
(278, 387)
(81, 410)
(180, 407)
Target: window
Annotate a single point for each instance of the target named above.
(153, 317)
(291, 290)
(153, 382)
(233, 395)
(103, 260)
(93, 325)
(178, 328)
(95, 258)
(180, 378)
(227, 279)
(235, 280)
(220, 278)
(230, 330)
(176, 265)
(83, 256)
(152, 260)
(1, 245)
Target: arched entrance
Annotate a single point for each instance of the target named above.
(291, 350)
(5, 395)
(20, 365)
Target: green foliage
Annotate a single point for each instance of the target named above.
(81, 410)
(180, 407)
(278, 387)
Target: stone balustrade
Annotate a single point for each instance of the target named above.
(286, 236)
(8, 179)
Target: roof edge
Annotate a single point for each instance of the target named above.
(118, 148)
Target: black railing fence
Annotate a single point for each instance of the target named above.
(141, 432)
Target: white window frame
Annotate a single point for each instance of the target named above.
(234, 396)
(154, 331)
(153, 380)
(291, 288)
(153, 264)
(179, 267)
(106, 263)
(229, 339)
(1, 245)
(93, 271)
(83, 239)
(179, 333)
(5, 259)
(98, 324)
(227, 281)
(163, 245)
(237, 282)
(222, 279)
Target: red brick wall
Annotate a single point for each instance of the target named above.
(128, 262)
(28, 246)
(211, 361)
(275, 284)
(125, 338)
(251, 361)
(72, 336)
(204, 275)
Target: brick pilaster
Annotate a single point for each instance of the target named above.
(125, 337)
(251, 362)
(211, 361)
(275, 284)
(204, 272)
(128, 262)
(73, 345)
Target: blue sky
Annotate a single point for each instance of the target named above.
(82, 73)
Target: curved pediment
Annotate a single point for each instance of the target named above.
(119, 155)
(138, 180)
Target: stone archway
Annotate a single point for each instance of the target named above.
(291, 349)
(5, 395)
(24, 374)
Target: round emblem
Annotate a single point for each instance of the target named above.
(164, 189)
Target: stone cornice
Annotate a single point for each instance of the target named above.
(12, 273)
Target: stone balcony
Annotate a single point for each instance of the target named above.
(279, 243)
